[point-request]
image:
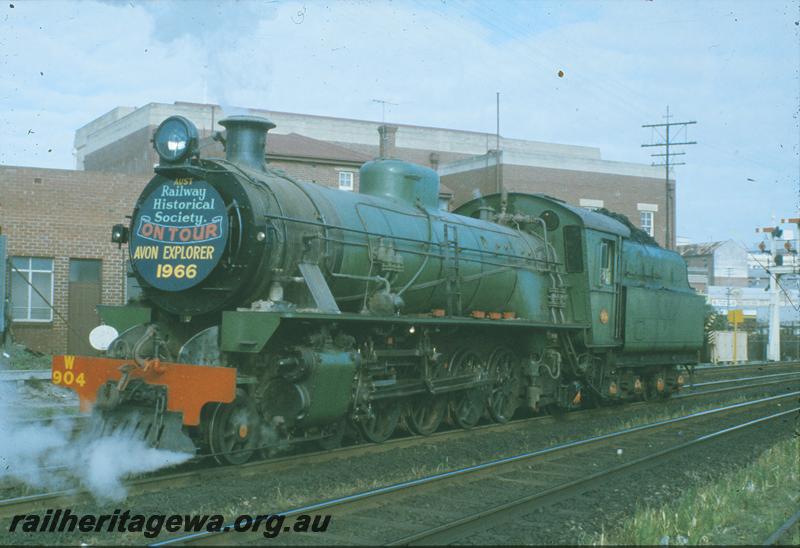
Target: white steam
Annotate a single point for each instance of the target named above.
(48, 456)
(112, 458)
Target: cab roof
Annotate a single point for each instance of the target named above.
(588, 218)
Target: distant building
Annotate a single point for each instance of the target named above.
(733, 278)
(715, 264)
(754, 301)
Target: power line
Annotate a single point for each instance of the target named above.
(770, 275)
(667, 154)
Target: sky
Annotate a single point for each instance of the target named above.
(732, 66)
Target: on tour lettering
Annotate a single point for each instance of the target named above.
(186, 234)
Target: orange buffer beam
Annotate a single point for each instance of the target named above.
(189, 387)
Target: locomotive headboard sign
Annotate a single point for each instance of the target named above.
(179, 234)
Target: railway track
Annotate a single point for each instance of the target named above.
(725, 385)
(160, 481)
(700, 373)
(783, 534)
(492, 493)
(15, 375)
(705, 372)
(777, 370)
(196, 472)
(750, 364)
(25, 375)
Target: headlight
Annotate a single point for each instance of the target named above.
(175, 139)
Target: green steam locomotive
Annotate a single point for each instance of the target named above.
(278, 311)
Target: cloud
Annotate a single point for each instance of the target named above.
(732, 67)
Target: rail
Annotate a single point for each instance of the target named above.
(11, 375)
(778, 535)
(172, 479)
(455, 529)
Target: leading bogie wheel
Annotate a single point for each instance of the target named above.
(233, 434)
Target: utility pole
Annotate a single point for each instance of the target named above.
(497, 134)
(667, 154)
(730, 289)
(497, 181)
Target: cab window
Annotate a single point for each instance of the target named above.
(606, 262)
(573, 249)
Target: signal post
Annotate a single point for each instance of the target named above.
(775, 272)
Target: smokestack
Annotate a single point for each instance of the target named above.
(246, 139)
(387, 142)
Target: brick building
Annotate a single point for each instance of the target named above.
(58, 223)
(715, 264)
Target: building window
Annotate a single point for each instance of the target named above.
(346, 180)
(646, 222)
(31, 289)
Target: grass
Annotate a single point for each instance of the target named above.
(744, 506)
(656, 415)
(20, 357)
(284, 500)
(280, 500)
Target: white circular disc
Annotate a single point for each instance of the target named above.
(102, 336)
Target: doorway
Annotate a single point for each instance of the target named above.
(85, 290)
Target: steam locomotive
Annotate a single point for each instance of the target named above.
(278, 311)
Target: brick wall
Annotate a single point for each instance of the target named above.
(64, 214)
(419, 156)
(467, 185)
(133, 154)
(323, 174)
